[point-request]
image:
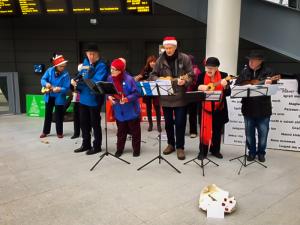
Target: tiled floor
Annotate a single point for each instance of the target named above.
(43, 184)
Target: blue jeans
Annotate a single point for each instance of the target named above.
(180, 123)
(261, 124)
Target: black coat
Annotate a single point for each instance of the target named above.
(220, 116)
(255, 106)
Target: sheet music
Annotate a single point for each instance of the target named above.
(149, 88)
(253, 90)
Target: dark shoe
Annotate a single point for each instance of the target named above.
(180, 154)
(43, 135)
(75, 136)
(168, 150)
(250, 157)
(150, 128)
(217, 155)
(93, 151)
(159, 127)
(118, 153)
(136, 154)
(201, 156)
(60, 135)
(81, 149)
(261, 158)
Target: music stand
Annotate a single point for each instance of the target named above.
(103, 87)
(158, 88)
(250, 91)
(203, 96)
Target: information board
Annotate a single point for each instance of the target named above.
(56, 6)
(30, 7)
(83, 6)
(138, 6)
(7, 7)
(110, 6)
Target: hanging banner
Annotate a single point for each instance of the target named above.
(284, 131)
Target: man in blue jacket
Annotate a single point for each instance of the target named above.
(55, 83)
(95, 69)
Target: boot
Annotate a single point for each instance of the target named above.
(168, 150)
(150, 128)
(159, 127)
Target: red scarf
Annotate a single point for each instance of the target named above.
(206, 118)
(118, 82)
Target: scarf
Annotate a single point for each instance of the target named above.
(207, 110)
(118, 82)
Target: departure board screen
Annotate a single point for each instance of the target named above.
(83, 6)
(7, 7)
(139, 6)
(30, 7)
(55, 6)
(110, 6)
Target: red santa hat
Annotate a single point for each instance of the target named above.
(58, 60)
(118, 64)
(170, 41)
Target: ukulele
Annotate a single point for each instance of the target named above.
(211, 86)
(46, 90)
(256, 81)
(182, 77)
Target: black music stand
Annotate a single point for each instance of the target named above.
(249, 92)
(103, 87)
(162, 89)
(204, 96)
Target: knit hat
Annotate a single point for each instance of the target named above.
(170, 41)
(58, 60)
(118, 64)
(212, 61)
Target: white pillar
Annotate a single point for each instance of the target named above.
(223, 31)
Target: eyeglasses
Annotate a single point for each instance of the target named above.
(113, 69)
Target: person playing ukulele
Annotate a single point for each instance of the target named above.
(256, 110)
(213, 115)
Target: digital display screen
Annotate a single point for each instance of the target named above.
(56, 6)
(110, 6)
(83, 6)
(30, 7)
(7, 7)
(138, 6)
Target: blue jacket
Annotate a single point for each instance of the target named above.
(62, 81)
(130, 110)
(97, 73)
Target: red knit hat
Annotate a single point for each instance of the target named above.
(118, 64)
(170, 41)
(58, 60)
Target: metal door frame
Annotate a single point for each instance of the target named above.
(12, 92)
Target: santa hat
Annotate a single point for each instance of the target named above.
(58, 60)
(170, 41)
(118, 64)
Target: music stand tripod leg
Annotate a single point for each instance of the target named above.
(106, 153)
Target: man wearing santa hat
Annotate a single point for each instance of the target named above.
(174, 64)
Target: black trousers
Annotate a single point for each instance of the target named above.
(59, 116)
(148, 102)
(76, 118)
(90, 118)
(192, 111)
